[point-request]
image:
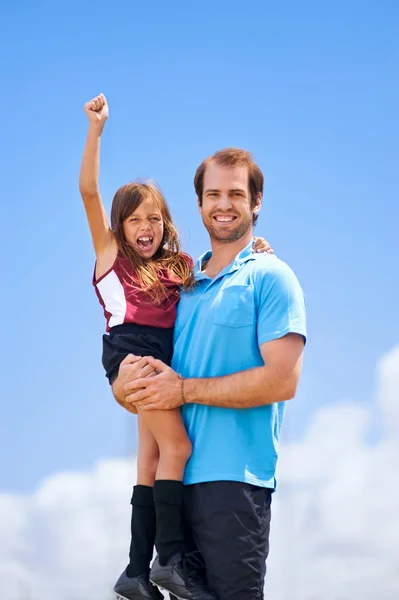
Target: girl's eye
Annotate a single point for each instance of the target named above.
(155, 219)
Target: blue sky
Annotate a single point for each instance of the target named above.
(310, 88)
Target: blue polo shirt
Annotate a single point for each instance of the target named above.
(220, 327)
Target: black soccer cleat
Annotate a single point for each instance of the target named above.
(136, 588)
(180, 579)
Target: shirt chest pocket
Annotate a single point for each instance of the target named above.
(234, 306)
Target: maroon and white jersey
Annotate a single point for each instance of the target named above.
(123, 300)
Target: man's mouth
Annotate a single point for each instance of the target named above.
(224, 218)
(144, 242)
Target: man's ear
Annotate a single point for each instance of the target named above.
(199, 205)
(258, 204)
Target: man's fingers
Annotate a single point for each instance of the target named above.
(147, 371)
(142, 362)
(141, 403)
(136, 397)
(158, 364)
(137, 384)
(131, 359)
(138, 370)
(135, 393)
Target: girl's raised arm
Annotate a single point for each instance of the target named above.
(103, 239)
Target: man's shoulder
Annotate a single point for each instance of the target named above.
(271, 276)
(270, 266)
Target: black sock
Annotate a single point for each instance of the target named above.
(168, 497)
(143, 531)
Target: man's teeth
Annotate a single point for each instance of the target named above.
(224, 219)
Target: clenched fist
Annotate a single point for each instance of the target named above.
(97, 110)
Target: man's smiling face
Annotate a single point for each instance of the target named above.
(226, 203)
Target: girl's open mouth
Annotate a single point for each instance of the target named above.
(144, 242)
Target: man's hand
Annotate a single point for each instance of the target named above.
(159, 392)
(131, 367)
(97, 110)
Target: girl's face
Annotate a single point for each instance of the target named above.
(143, 229)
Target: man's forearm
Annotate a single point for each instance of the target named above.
(246, 389)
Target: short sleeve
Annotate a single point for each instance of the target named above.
(188, 260)
(281, 305)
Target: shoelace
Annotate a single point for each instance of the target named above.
(194, 569)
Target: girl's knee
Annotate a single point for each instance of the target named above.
(177, 449)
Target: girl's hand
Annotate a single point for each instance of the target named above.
(262, 245)
(97, 110)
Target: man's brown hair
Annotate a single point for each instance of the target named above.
(232, 157)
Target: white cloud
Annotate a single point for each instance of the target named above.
(69, 539)
(336, 520)
(335, 526)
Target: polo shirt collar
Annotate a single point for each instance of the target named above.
(245, 255)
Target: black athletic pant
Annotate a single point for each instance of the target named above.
(230, 523)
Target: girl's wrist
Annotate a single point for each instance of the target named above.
(96, 128)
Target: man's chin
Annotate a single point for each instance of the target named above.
(226, 236)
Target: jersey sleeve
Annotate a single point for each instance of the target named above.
(281, 304)
(188, 260)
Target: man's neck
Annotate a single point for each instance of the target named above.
(224, 254)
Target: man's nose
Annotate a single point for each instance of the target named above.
(224, 202)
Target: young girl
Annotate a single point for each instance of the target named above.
(139, 273)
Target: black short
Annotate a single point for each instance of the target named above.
(229, 522)
(140, 340)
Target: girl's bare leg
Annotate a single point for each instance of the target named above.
(167, 428)
(174, 451)
(147, 456)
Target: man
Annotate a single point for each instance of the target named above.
(238, 346)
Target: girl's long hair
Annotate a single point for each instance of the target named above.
(168, 255)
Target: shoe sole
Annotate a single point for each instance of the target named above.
(119, 597)
(165, 590)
